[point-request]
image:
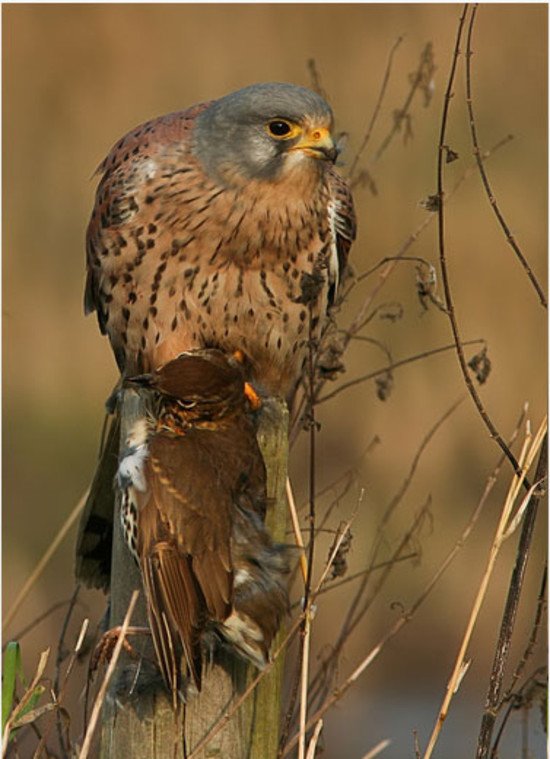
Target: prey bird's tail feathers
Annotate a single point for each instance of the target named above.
(176, 613)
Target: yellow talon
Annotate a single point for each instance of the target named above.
(251, 394)
(253, 397)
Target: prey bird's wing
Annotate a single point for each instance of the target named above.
(185, 531)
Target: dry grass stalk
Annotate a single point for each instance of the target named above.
(86, 746)
(530, 449)
(304, 685)
(311, 749)
(296, 527)
(408, 614)
(359, 606)
(39, 568)
(58, 697)
(25, 699)
(377, 750)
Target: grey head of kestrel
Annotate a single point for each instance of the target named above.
(264, 131)
(205, 226)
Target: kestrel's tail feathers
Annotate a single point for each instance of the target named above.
(95, 532)
(176, 610)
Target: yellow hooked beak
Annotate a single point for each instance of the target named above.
(318, 143)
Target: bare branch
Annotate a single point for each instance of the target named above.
(484, 178)
(541, 607)
(395, 365)
(443, 261)
(510, 610)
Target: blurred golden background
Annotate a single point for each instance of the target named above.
(76, 77)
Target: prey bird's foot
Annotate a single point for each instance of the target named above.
(106, 646)
(253, 397)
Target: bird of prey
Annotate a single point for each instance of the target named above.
(204, 225)
(207, 226)
(193, 501)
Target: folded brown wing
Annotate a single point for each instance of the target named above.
(185, 531)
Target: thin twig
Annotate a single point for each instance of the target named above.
(414, 259)
(59, 660)
(376, 110)
(86, 746)
(28, 628)
(408, 614)
(425, 67)
(322, 682)
(443, 261)
(52, 548)
(315, 78)
(484, 178)
(352, 475)
(517, 700)
(311, 749)
(304, 685)
(394, 365)
(305, 631)
(361, 315)
(362, 572)
(535, 629)
(342, 534)
(58, 694)
(414, 236)
(356, 612)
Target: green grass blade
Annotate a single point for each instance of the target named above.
(10, 669)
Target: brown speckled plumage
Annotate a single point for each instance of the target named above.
(192, 482)
(182, 256)
(205, 227)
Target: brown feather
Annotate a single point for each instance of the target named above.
(195, 480)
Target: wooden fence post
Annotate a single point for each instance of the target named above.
(138, 721)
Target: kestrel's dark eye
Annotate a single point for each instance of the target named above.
(279, 128)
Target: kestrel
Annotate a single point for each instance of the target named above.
(193, 501)
(205, 224)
